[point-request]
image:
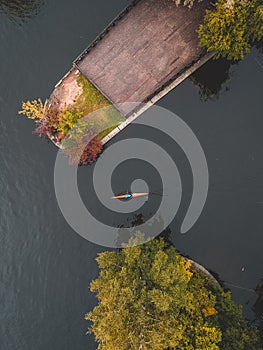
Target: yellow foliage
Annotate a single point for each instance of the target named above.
(209, 311)
(231, 27)
(33, 109)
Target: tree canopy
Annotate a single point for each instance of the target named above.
(232, 27)
(150, 297)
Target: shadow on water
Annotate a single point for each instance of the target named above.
(258, 306)
(211, 77)
(259, 45)
(139, 219)
(20, 9)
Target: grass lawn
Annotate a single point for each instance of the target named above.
(97, 110)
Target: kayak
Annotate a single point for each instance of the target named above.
(130, 195)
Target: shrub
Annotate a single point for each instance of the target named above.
(66, 120)
(82, 148)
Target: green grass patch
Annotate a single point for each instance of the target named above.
(91, 98)
(105, 132)
(99, 113)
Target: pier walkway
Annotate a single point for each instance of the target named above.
(143, 50)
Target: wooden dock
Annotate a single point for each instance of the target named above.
(143, 51)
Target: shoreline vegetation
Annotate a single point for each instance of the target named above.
(150, 297)
(74, 118)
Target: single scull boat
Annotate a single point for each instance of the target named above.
(130, 195)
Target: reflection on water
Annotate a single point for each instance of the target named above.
(139, 219)
(211, 77)
(124, 235)
(256, 55)
(20, 8)
(259, 45)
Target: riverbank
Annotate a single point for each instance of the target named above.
(206, 272)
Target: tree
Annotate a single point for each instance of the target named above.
(91, 152)
(147, 301)
(81, 145)
(46, 127)
(50, 122)
(66, 120)
(236, 331)
(33, 109)
(47, 120)
(232, 27)
(151, 298)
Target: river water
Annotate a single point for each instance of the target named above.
(45, 267)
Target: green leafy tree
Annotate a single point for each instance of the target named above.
(150, 297)
(147, 301)
(232, 27)
(66, 120)
(236, 331)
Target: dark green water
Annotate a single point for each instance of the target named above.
(45, 267)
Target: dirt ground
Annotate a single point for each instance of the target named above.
(66, 93)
